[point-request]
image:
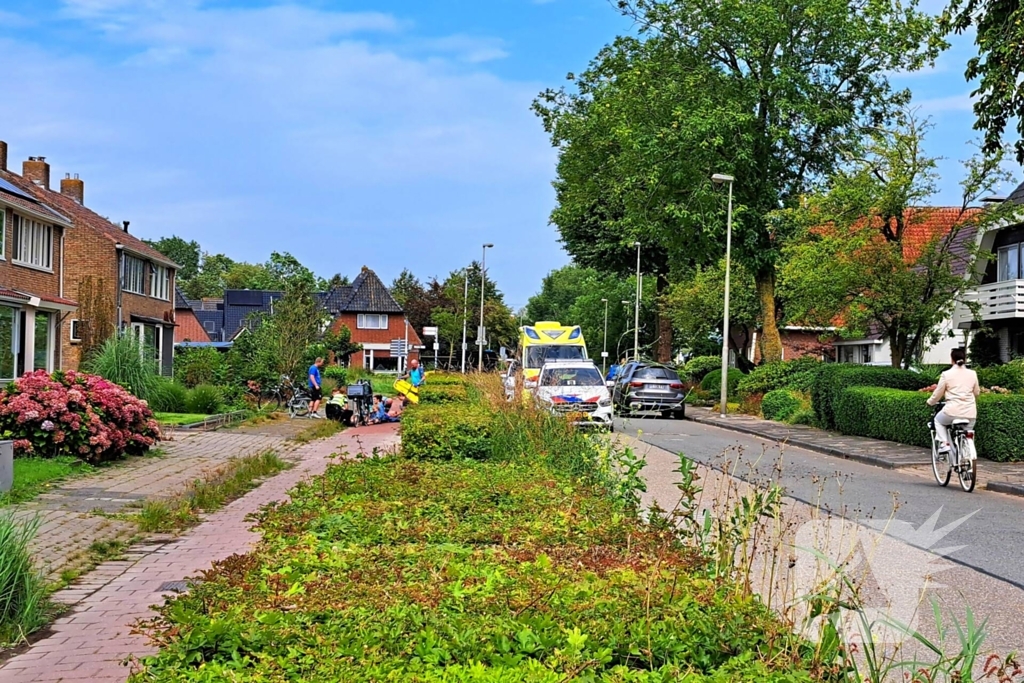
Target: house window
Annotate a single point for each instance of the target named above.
(41, 356)
(76, 331)
(372, 321)
(209, 326)
(3, 233)
(33, 243)
(8, 341)
(133, 278)
(1009, 263)
(150, 338)
(160, 282)
(865, 353)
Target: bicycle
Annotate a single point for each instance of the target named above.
(961, 458)
(298, 404)
(282, 392)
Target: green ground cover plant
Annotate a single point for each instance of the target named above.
(179, 418)
(32, 476)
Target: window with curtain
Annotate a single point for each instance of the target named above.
(134, 275)
(8, 335)
(372, 321)
(159, 283)
(1009, 262)
(33, 243)
(41, 356)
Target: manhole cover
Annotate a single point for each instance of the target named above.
(173, 587)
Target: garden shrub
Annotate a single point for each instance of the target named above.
(787, 374)
(193, 367)
(168, 397)
(121, 360)
(445, 378)
(713, 381)
(443, 393)
(1009, 376)
(697, 368)
(984, 349)
(77, 414)
(446, 431)
(902, 416)
(336, 373)
(831, 379)
(781, 404)
(804, 416)
(205, 399)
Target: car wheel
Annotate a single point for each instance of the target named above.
(679, 414)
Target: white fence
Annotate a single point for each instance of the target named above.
(996, 301)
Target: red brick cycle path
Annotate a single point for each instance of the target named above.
(94, 638)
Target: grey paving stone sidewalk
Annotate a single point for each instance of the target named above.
(1003, 477)
(78, 513)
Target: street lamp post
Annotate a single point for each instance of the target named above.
(604, 352)
(465, 317)
(636, 322)
(719, 178)
(483, 289)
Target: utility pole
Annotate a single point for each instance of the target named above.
(636, 323)
(465, 315)
(483, 290)
(604, 351)
(719, 178)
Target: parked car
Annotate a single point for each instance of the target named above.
(577, 390)
(649, 387)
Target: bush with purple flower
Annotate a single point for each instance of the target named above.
(74, 413)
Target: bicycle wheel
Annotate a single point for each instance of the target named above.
(299, 407)
(940, 466)
(968, 471)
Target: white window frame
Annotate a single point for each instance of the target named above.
(3, 233)
(1002, 254)
(362, 320)
(139, 333)
(36, 251)
(74, 332)
(135, 278)
(160, 282)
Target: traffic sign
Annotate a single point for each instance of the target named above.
(430, 332)
(398, 349)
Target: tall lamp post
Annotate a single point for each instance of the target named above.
(636, 322)
(604, 352)
(718, 179)
(483, 289)
(465, 317)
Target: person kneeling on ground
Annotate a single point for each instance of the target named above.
(337, 407)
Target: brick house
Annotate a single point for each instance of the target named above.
(367, 308)
(33, 307)
(120, 282)
(188, 329)
(800, 342)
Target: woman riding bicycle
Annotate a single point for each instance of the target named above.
(959, 388)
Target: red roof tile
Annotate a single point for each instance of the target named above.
(11, 294)
(38, 208)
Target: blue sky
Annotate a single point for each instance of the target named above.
(390, 135)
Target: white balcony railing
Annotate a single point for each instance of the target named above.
(996, 301)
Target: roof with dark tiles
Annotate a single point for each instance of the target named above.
(33, 206)
(366, 294)
(1017, 196)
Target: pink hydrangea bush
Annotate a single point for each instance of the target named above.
(74, 413)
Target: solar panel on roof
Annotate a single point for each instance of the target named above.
(15, 190)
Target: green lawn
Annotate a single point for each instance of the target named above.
(179, 418)
(34, 475)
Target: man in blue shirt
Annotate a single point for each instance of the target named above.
(415, 373)
(315, 391)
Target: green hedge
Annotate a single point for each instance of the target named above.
(444, 379)
(697, 368)
(780, 404)
(902, 416)
(788, 374)
(446, 431)
(1009, 376)
(830, 380)
(443, 393)
(713, 381)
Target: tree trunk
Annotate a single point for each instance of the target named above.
(664, 349)
(771, 342)
(897, 348)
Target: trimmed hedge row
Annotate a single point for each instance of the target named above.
(443, 393)
(902, 416)
(787, 374)
(446, 431)
(831, 380)
(1009, 376)
(780, 404)
(713, 380)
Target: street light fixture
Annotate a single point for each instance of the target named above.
(604, 352)
(636, 322)
(483, 289)
(718, 179)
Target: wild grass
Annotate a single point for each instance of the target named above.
(33, 476)
(23, 606)
(121, 360)
(318, 429)
(236, 478)
(179, 418)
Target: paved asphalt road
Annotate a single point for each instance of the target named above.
(992, 539)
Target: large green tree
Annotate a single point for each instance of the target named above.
(770, 91)
(874, 257)
(999, 66)
(185, 253)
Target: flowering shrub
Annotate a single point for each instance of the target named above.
(74, 413)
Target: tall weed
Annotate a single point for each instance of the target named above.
(22, 593)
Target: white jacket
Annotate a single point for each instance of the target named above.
(959, 386)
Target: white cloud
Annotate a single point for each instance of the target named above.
(333, 135)
(951, 103)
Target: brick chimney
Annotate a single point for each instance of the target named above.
(73, 188)
(37, 171)
(3, 155)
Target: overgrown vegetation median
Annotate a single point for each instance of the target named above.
(525, 562)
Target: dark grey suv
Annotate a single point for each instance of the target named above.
(649, 387)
